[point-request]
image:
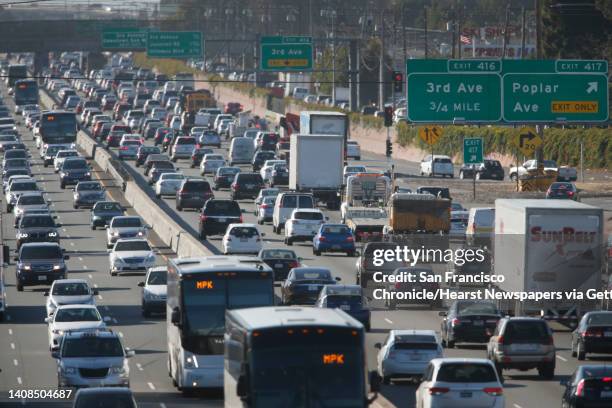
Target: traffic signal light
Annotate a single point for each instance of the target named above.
(398, 81)
(389, 150)
(388, 116)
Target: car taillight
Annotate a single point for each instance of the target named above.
(235, 186)
(500, 340)
(397, 285)
(123, 148)
(580, 389)
(438, 390)
(570, 193)
(350, 239)
(593, 333)
(294, 264)
(495, 391)
(607, 379)
(551, 341)
(455, 322)
(264, 206)
(322, 238)
(203, 217)
(241, 218)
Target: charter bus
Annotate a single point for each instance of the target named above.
(200, 290)
(296, 357)
(15, 72)
(25, 92)
(58, 127)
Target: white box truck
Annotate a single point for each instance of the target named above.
(324, 123)
(548, 246)
(316, 166)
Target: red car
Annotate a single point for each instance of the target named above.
(233, 108)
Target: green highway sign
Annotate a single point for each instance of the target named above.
(513, 91)
(541, 97)
(286, 53)
(472, 151)
(453, 98)
(174, 44)
(124, 39)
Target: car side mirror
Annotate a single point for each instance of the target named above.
(375, 381)
(443, 314)
(58, 225)
(105, 226)
(48, 319)
(378, 346)
(338, 279)
(46, 293)
(95, 292)
(129, 352)
(263, 234)
(141, 284)
(242, 387)
(175, 317)
(16, 258)
(109, 251)
(106, 319)
(55, 352)
(66, 257)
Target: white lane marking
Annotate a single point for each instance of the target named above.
(10, 331)
(80, 258)
(139, 366)
(84, 266)
(151, 386)
(64, 229)
(95, 284)
(15, 362)
(561, 358)
(162, 405)
(13, 346)
(72, 244)
(90, 276)
(516, 406)
(121, 334)
(388, 321)
(19, 380)
(100, 297)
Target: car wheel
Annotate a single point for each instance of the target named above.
(386, 380)
(547, 371)
(62, 185)
(580, 353)
(19, 287)
(93, 227)
(450, 343)
(477, 176)
(76, 207)
(350, 254)
(202, 236)
(288, 241)
(573, 350)
(113, 273)
(179, 208)
(316, 252)
(513, 177)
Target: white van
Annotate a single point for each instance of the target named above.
(241, 151)
(481, 226)
(285, 204)
(437, 165)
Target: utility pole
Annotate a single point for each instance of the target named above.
(333, 33)
(459, 42)
(426, 39)
(523, 32)
(381, 64)
(540, 128)
(453, 28)
(404, 47)
(506, 22)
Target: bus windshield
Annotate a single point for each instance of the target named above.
(26, 92)
(58, 128)
(206, 299)
(307, 370)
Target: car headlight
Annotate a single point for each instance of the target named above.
(118, 261)
(87, 174)
(190, 361)
(69, 370)
(53, 234)
(151, 257)
(117, 370)
(60, 332)
(115, 234)
(140, 233)
(57, 267)
(27, 267)
(23, 235)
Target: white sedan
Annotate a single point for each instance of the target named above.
(353, 150)
(168, 184)
(268, 167)
(74, 318)
(210, 163)
(131, 255)
(242, 239)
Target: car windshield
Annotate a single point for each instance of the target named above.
(355, 169)
(126, 222)
(136, 245)
(526, 331)
(278, 254)
(313, 275)
(92, 347)
(466, 373)
(105, 400)
(86, 314)
(89, 187)
(194, 186)
(34, 252)
(250, 178)
(228, 171)
(336, 229)
(599, 319)
(108, 207)
(223, 207)
(172, 176)
(70, 289)
(37, 221)
(466, 308)
(12, 163)
(31, 200)
(550, 163)
(15, 154)
(163, 165)
(75, 164)
(345, 302)
(157, 278)
(185, 141)
(310, 216)
(67, 153)
(213, 157)
(244, 232)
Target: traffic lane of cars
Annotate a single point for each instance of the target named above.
(31, 365)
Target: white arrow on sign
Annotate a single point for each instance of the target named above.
(592, 87)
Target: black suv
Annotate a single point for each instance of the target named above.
(216, 215)
(260, 158)
(39, 264)
(490, 169)
(37, 228)
(440, 192)
(224, 177)
(246, 185)
(193, 193)
(73, 170)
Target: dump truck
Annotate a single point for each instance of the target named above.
(364, 204)
(548, 246)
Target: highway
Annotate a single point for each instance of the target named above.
(27, 364)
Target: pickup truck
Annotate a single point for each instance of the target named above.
(564, 173)
(366, 222)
